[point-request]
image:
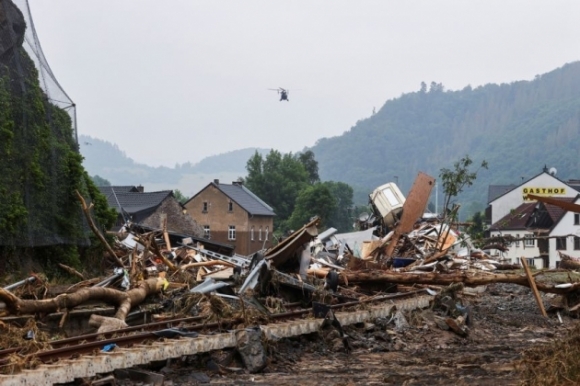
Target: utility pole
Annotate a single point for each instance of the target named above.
(436, 199)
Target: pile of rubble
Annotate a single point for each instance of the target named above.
(306, 275)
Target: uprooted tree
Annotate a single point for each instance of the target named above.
(64, 302)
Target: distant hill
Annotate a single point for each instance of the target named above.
(106, 160)
(517, 128)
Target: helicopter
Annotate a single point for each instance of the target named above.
(283, 93)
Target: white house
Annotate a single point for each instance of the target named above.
(540, 229)
(567, 231)
(502, 199)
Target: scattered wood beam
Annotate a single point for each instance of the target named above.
(533, 286)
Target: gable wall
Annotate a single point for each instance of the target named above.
(504, 204)
(177, 221)
(566, 228)
(219, 219)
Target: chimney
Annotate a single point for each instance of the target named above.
(216, 181)
(140, 188)
(237, 183)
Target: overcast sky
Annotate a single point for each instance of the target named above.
(176, 81)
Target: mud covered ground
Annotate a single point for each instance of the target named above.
(506, 321)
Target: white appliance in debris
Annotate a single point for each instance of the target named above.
(388, 200)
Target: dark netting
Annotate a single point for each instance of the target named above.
(40, 164)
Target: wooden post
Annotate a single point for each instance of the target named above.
(166, 235)
(533, 286)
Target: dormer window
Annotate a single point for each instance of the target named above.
(230, 206)
(204, 210)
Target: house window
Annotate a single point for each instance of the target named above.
(529, 241)
(252, 233)
(267, 230)
(531, 262)
(232, 232)
(206, 232)
(260, 234)
(576, 243)
(230, 206)
(204, 210)
(561, 243)
(576, 218)
(517, 240)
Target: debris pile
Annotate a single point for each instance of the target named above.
(192, 287)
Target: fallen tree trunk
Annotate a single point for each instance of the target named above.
(467, 278)
(123, 300)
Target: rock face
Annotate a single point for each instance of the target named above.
(12, 28)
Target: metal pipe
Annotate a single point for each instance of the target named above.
(20, 283)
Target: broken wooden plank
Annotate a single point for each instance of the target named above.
(533, 286)
(413, 208)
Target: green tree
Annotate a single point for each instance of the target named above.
(180, 197)
(310, 164)
(342, 216)
(277, 180)
(100, 181)
(453, 181)
(477, 227)
(314, 200)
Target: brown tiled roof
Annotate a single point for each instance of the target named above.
(555, 212)
(516, 219)
(545, 216)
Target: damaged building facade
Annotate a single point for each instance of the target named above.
(540, 230)
(149, 209)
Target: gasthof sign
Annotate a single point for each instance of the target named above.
(543, 191)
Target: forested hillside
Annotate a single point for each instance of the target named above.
(518, 128)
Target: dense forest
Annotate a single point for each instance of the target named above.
(517, 128)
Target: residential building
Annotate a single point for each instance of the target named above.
(502, 199)
(231, 213)
(149, 209)
(540, 229)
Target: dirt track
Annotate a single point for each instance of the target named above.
(506, 322)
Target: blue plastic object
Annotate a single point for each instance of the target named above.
(400, 262)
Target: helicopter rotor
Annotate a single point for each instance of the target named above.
(280, 90)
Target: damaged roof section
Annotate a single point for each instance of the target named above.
(132, 201)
